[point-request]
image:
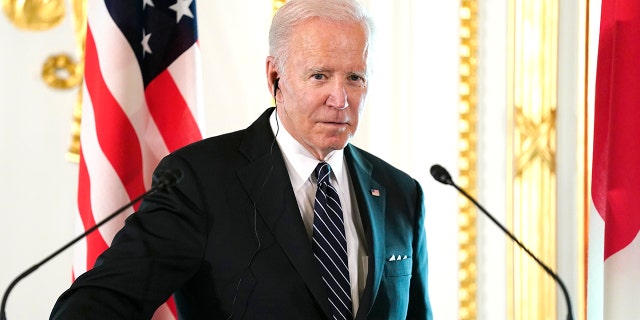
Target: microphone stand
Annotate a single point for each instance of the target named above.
(441, 175)
(167, 179)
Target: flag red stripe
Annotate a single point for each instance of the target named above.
(116, 135)
(171, 303)
(171, 112)
(616, 174)
(94, 240)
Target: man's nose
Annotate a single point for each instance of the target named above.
(338, 96)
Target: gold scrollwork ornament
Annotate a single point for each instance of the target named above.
(60, 72)
(34, 14)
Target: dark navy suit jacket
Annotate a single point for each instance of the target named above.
(228, 240)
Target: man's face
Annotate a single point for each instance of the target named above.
(323, 90)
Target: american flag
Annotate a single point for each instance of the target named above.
(142, 99)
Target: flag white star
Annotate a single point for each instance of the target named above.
(145, 43)
(147, 2)
(182, 9)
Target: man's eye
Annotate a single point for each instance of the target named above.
(318, 76)
(355, 77)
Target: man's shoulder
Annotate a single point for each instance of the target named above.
(378, 165)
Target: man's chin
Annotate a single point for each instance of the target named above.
(338, 145)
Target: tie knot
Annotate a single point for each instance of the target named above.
(322, 172)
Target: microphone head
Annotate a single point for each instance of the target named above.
(169, 178)
(441, 174)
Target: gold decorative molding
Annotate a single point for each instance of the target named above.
(34, 14)
(582, 168)
(531, 185)
(467, 159)
(80, 28)
(61, 72)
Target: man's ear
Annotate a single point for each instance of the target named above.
(273, 76)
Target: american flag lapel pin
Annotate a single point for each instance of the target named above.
(375, 192)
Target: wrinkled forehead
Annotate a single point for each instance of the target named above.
(329, 39)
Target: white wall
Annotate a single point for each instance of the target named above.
(37, 184)
(595, 292)
(492, 157)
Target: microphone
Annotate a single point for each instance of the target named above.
(163, 180)
(442, 175)
(167, 178)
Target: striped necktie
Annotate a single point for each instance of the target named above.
(330, 244)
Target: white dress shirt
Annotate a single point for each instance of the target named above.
(300, 164)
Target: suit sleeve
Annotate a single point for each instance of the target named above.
(159, 248)
(419, 304)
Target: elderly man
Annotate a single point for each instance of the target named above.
(284, 219)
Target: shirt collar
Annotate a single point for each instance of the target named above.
(300, 161)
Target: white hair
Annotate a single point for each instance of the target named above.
(295, 12)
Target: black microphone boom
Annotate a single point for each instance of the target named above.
(164, 180)
(442, 175)
(167, 178)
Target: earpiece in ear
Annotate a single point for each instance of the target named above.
(275, 87)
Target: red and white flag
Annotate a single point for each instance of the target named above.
(615, 188)
(142, 99)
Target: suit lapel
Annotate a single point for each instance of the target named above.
(267, 182)
(370, 196)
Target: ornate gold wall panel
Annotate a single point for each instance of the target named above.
(531, 185)
(467, 159)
